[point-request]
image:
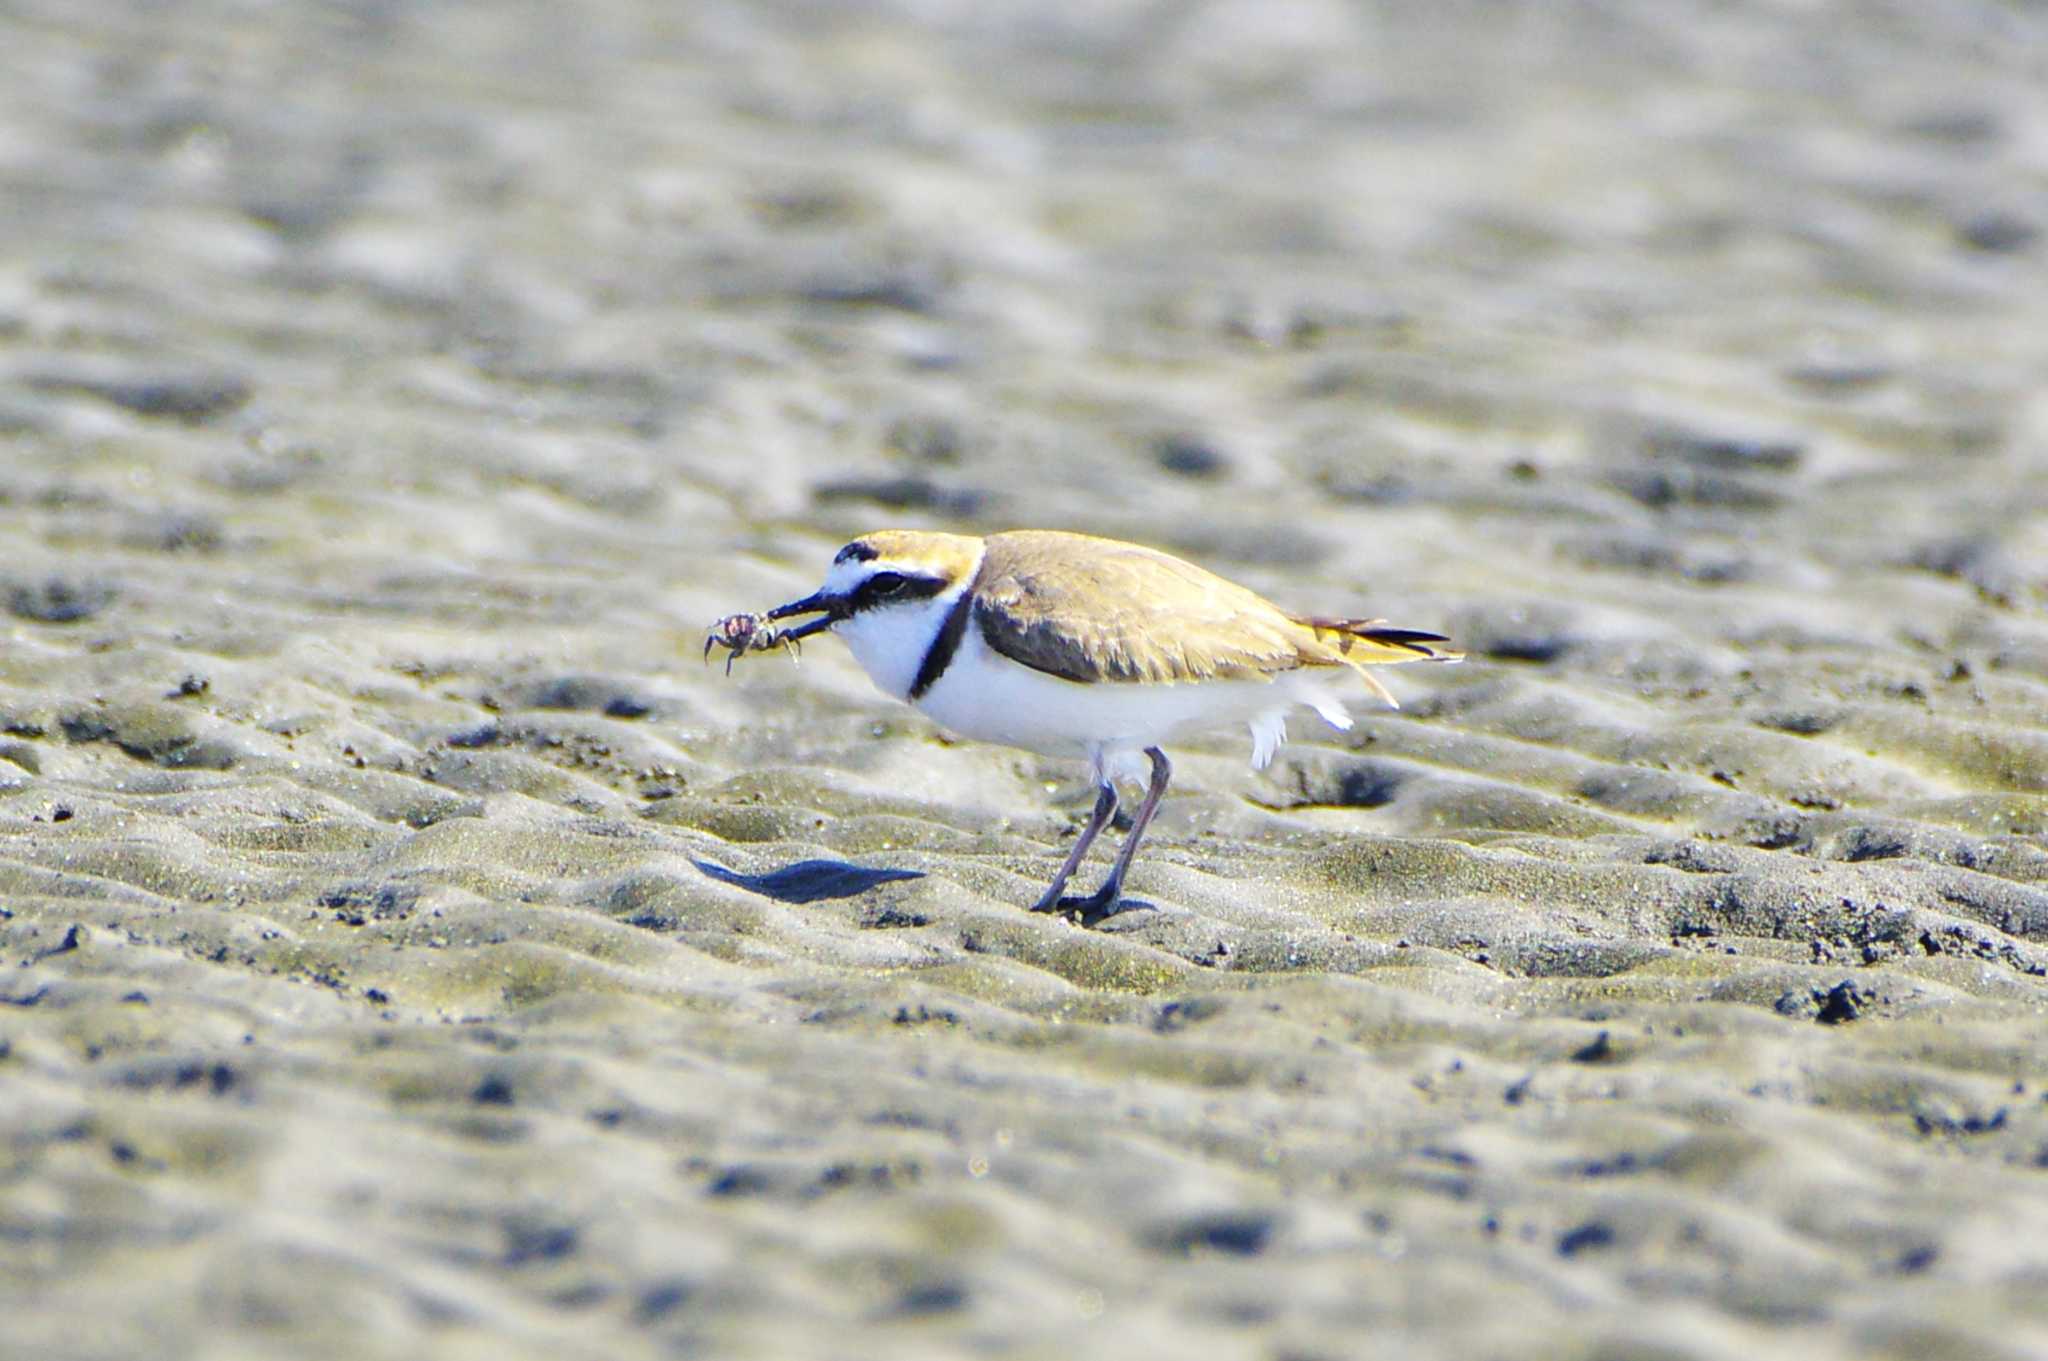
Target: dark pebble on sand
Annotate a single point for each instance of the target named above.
(1599, 1050)
(492, 1091)
(740, 1181)
(1843, 1003)
(1190, 456)
(1584, 1238)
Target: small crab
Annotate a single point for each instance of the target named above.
(738, 633)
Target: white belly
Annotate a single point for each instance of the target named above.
(986, 696)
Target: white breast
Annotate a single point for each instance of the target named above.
(890, 643)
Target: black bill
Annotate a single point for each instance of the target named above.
(831, 610)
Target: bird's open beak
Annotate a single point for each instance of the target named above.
(831, 610)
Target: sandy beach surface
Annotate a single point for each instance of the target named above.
(409, 949)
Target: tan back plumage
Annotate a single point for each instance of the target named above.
(1089, 609)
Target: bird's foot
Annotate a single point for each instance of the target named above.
(1094, 908)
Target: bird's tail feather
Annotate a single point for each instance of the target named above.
(1360, 643)
(1373, 642)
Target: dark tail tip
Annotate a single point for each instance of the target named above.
(1414, 640)
(1377, 631)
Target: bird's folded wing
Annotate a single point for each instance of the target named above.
(1127, 613)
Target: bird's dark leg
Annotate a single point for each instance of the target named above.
(1105, 807)
(1102, 902)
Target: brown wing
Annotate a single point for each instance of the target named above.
(1090, 609)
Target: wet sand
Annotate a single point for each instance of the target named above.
(409, 949)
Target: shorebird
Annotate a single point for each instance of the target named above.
(1074, 646)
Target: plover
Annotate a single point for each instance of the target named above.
(1074, 646)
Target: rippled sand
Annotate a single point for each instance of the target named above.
(408, 949)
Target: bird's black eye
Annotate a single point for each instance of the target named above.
(886, 583)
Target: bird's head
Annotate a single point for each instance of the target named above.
(899, 573)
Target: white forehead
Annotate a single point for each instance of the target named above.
(845, 576)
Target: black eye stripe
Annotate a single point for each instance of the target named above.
(894, 588)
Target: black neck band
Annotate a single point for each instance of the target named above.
(947, 642)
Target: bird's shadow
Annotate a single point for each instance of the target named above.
(807, 881)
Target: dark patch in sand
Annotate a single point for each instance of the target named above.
(60, 600)
(194, 398)
(1232, 1233)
